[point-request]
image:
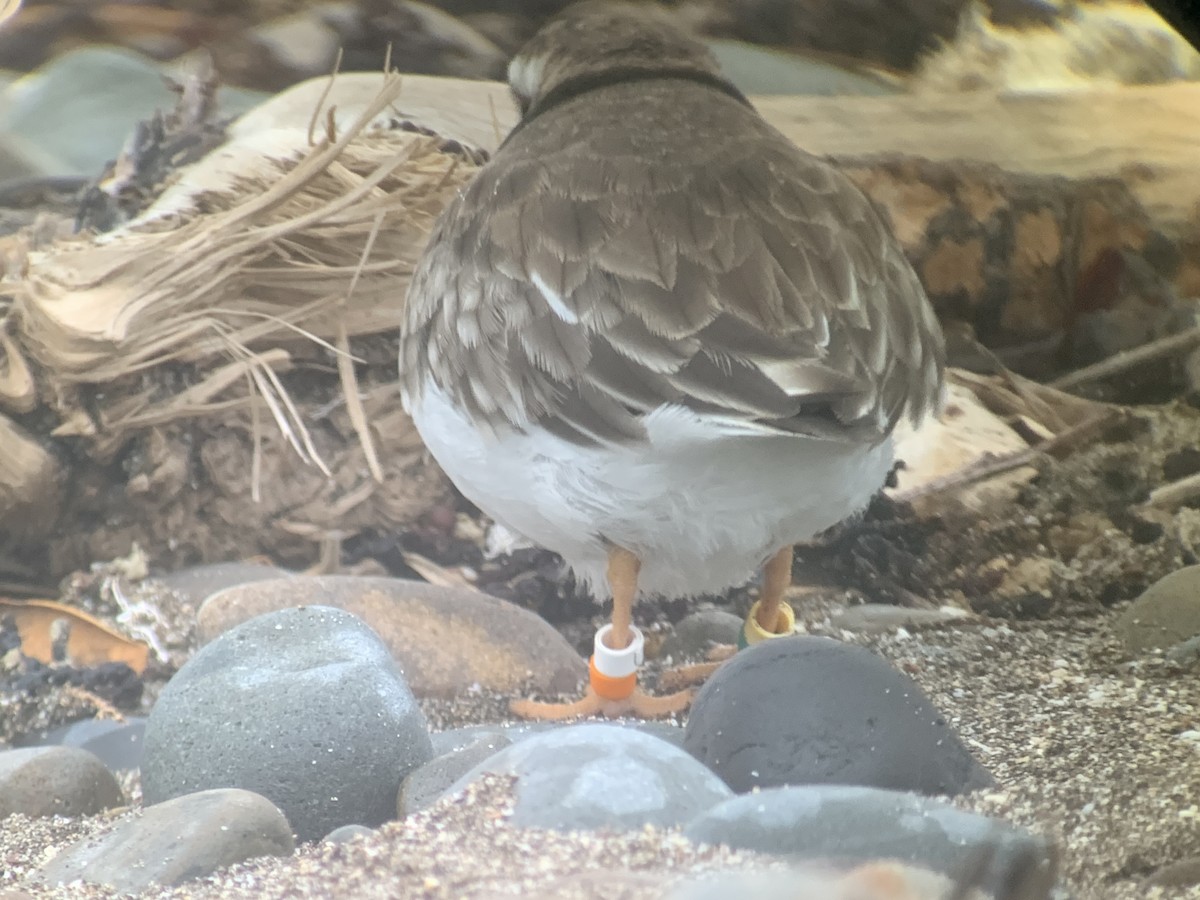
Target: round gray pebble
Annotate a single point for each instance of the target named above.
(1167, 613)
(184, 838)
(821, 882)
(304, 706)
(585, 777)
(805, 710)
(697, 633)
(117, 744)
(55, 781)
(857, 824)
(457, 738)
(347, 833)
(198, 583)
(423, 785)
(454, 739)
(75, 112)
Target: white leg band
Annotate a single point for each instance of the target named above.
(618, 663)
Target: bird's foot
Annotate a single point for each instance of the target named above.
(612, 688)
(696, 673)
(638, 704)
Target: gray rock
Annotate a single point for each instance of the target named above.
(22, 162)
(1185, 653)
(447, 640)
(303, 42)
(453, 740)
(874, 618)
(304, 706)
(805, 710)
(425, 784)
(584, 777)
(855, 824)
(664, 731)
(198, 583)
(423, 38)
(820, 882)
(176, 841)
(1167, 613)
(457, 738)
(761, 70)
(117, 744)
(347, 833)
(75, 113)
(55, 781)
(1183, 873)
(697, 633)
(120, 748)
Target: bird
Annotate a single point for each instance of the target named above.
(656, 337)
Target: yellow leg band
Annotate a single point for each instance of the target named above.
(753, 633)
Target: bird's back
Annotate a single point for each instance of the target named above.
(655, 241)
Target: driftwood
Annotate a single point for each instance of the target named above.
(135, 410)
(1057, 235)
(1146, 136)
(1049, 272)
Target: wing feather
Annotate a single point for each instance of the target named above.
(591, 288)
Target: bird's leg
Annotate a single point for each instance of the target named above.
(623, 569)
(612, 670)
(772, 616)
(769, 617)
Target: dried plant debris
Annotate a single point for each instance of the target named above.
(155, 151)
(40, 204)
(121, 592)
(35, 696)
(228, 280)
(243, 290)
(53, 632)
(1078, 539)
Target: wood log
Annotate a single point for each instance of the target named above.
(1058, 234)
(1145, 136)
(1051, 273)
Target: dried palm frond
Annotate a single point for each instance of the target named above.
(270, 246)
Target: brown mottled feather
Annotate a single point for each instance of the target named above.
(743, 278)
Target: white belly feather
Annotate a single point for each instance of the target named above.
(702, 510)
